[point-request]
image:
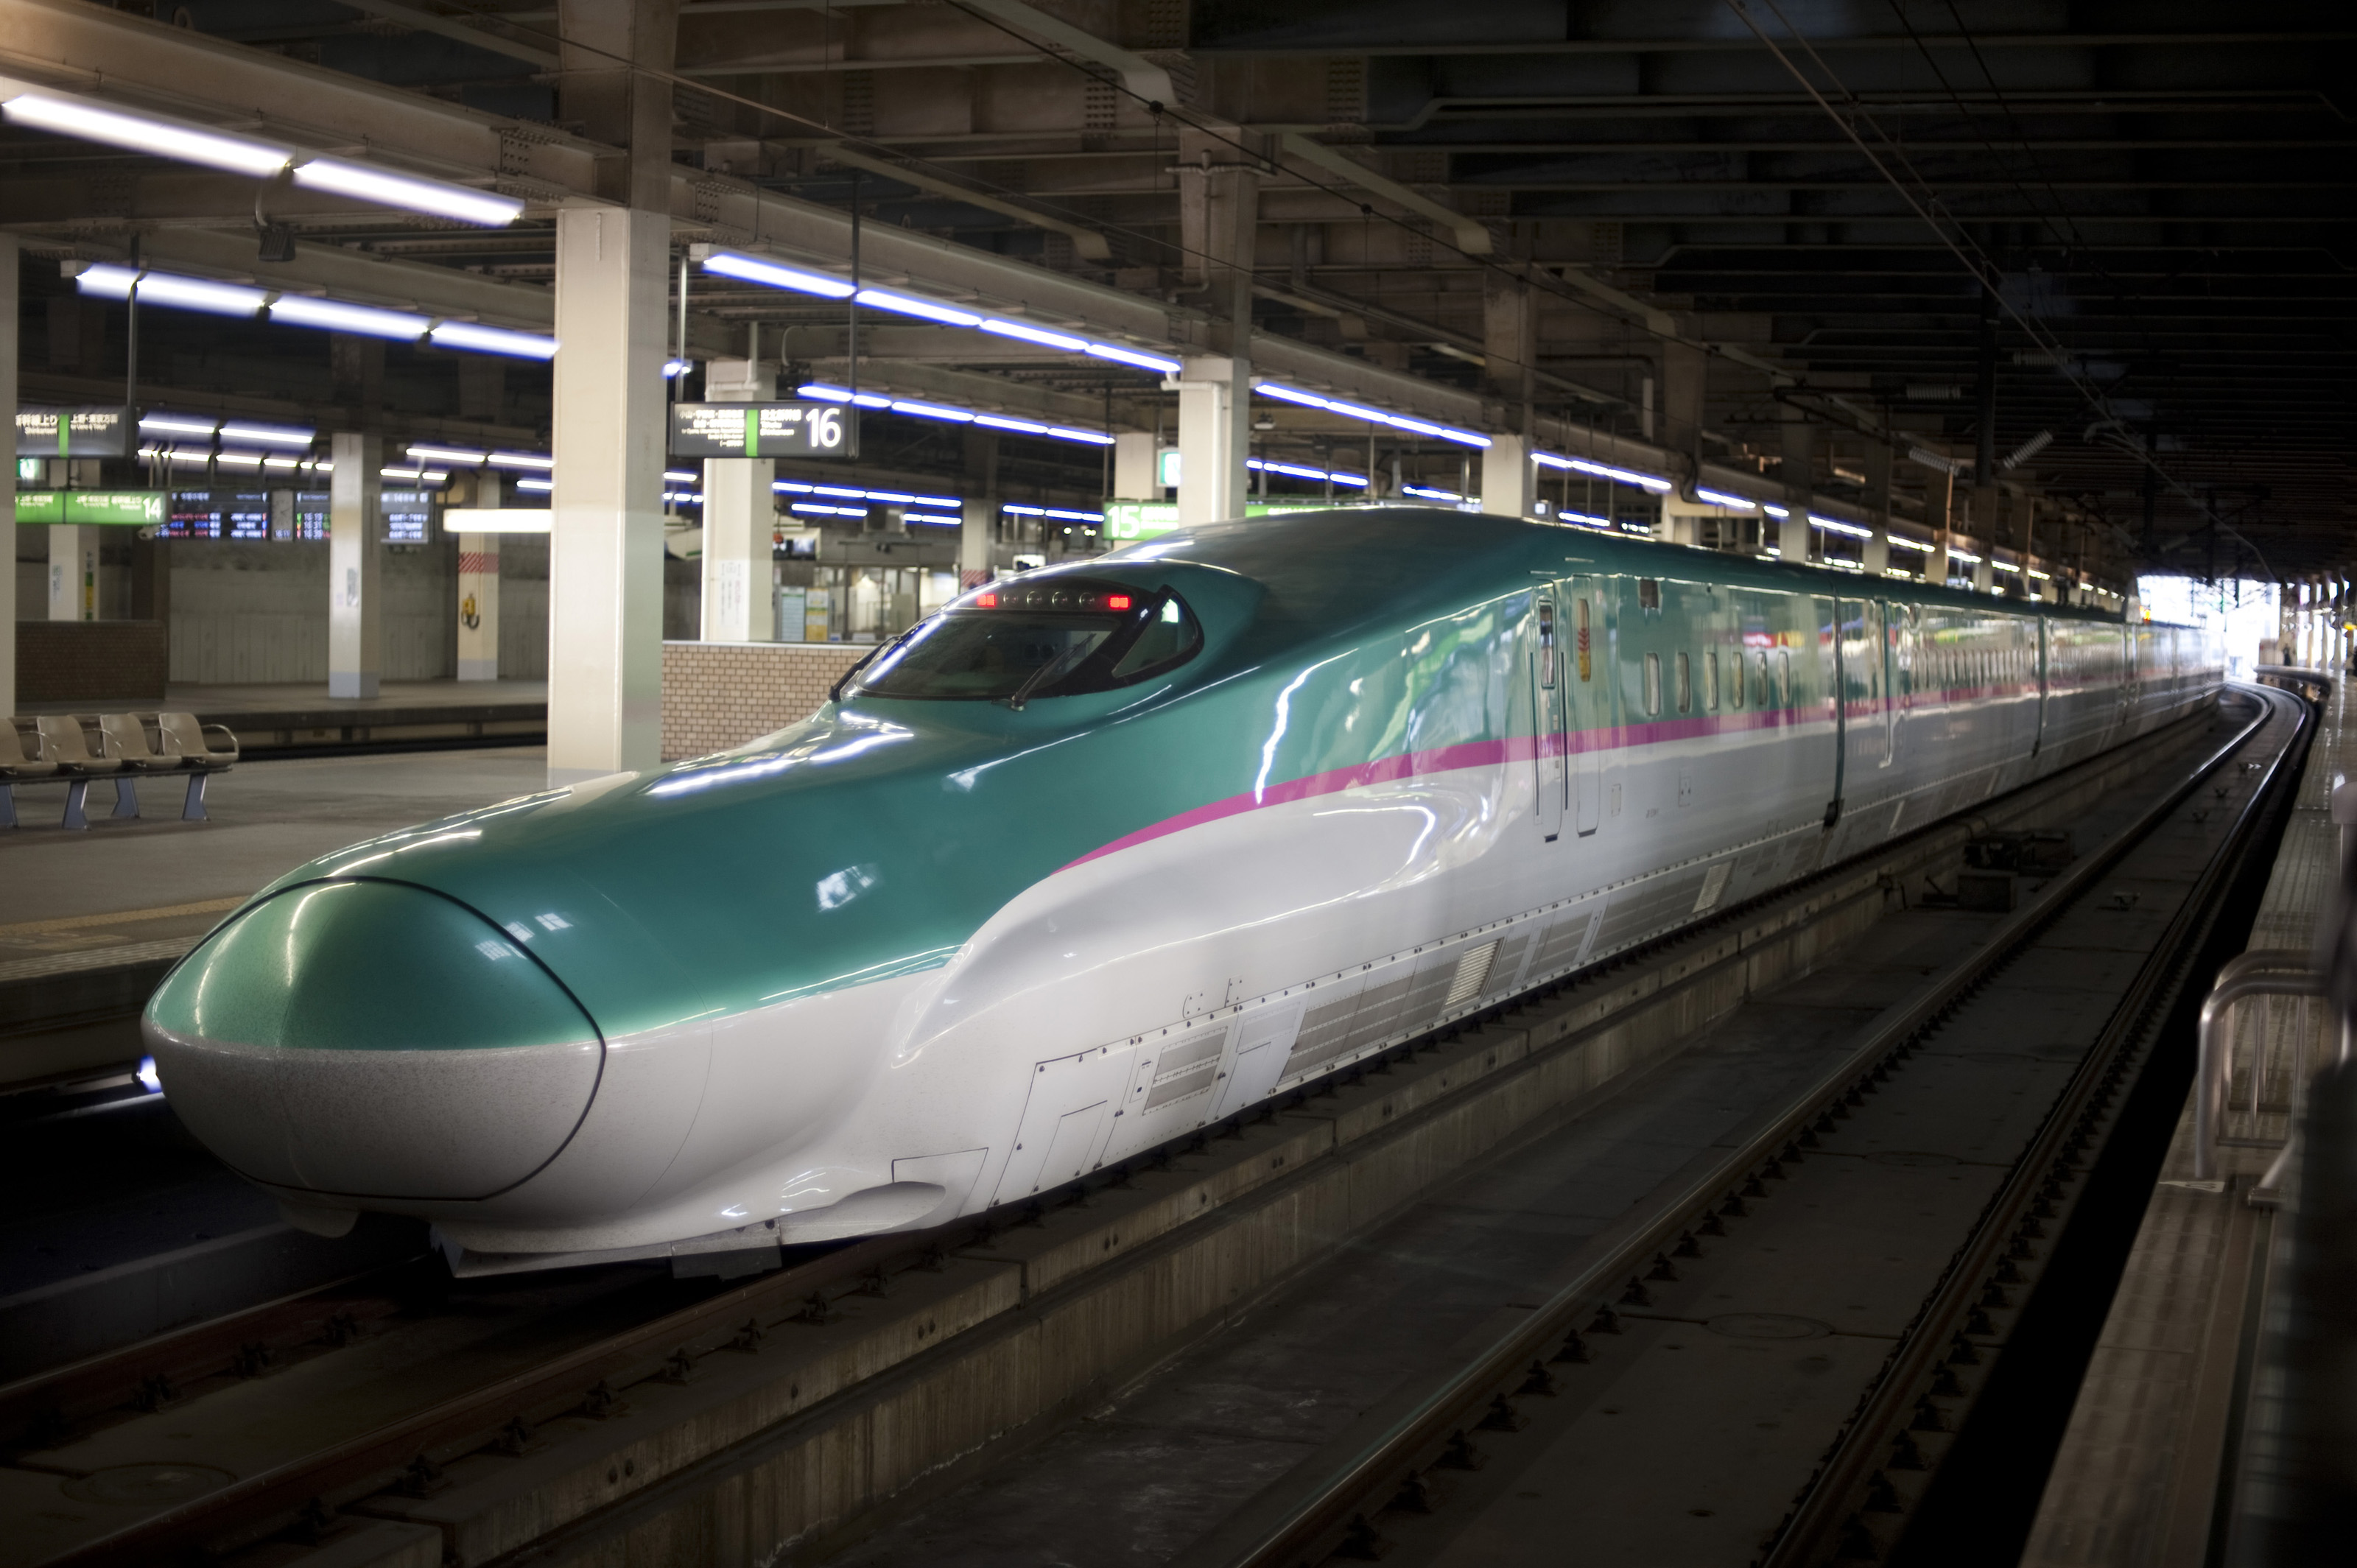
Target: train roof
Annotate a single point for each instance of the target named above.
(1418, 550)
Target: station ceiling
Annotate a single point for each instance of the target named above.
(2135, 216)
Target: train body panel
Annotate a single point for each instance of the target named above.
(915, 957)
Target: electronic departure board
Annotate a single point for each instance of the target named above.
(408, 516)
(760, 430)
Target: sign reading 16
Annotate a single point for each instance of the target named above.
(826, 429)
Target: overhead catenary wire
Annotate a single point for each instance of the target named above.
(1961, 244)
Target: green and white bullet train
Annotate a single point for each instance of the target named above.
(1101, 853)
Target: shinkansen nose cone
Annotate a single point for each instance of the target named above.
(373, 1039)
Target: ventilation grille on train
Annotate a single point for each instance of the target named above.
(1472, 973)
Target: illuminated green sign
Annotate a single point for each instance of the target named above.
(132, 508)
(1144, 520)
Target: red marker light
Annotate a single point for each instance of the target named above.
(1116, 601)
(986, 602)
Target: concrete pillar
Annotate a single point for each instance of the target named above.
(605, 549)
(978, 519)
(1685, 387)
(1939, 497)
(1510, 486)
(1133, 467)
(1877, 554)
(479, 607)
(8, 330)
(1214, 436)
(1800, 442)
(73, 572)
(741, 512)
(355, 557)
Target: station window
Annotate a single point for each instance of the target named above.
(1685, 685)
(1653, 684)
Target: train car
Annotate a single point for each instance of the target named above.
(1098, 855)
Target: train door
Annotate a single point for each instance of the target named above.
(1585, 687)
(1867, 716)
(1549, 773)
(2044, 654)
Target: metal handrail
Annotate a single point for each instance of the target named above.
(2262, 971)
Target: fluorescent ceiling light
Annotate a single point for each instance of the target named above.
(1720, 498)
(484, 339)
(1430, 495)
(69, 116)
(143, 134)
(1030, 334)
(535, 484)
(749, 269)
(421, 474)
(1061, 514)
(1838, 526)
(674, 369)
(521, 460)
(179, 423)
(909, 304)
(1904, 543)
(335, 315)
(1653, 482)
(238, 459)
(1296, 471)
(1774, 510)
(796, 486)
(365, 183)
(829, 394)
(1373, 416)
(107, 281)
(677, 477)
(461, 455)
(268, 435)
(496, 519)
(752, 269)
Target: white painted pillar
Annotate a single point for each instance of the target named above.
(355, 556)
(1876, 556)
(741, 512)
(1799, 474)
(1509, 478)
(479, 607)
(1133, 467)
(73, 572)
(1214, 437)
(8, 314)
(605, 549)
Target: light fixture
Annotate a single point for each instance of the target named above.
(420, 475)
(1653, 482)
(674, 369)
(67, 115)
(482, 340)
(773, 274)
(822, 510)
(386, 189)
(536, 485)
(464, 455)
(1774, 510)
(1720, 498)
(678, 477)
(1421, 492)
(827, 393)
(796, 486)
(1297, 471)
(1904, 543)
(335, 315)
(521, 460)
(179, 424)
(1836, 525)
(1059, 514)
(1371, 415)
(106, 280)
(268, 435)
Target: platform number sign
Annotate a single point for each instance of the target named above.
(803, 429)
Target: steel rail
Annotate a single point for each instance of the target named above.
(250, 1507)
(1324, 1512)
(1813, 1528)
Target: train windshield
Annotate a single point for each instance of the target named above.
(1053, 638)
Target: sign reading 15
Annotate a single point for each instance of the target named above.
(760, 430)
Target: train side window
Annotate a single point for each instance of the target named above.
(1653, 684)
(1649, 593)
(1547, 644)
(1767, 697)
(1710, 681)
(1784, 677)
(1685, 685)
(1734, 679)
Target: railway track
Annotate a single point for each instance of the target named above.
(1464, 1468)
(392, 1449)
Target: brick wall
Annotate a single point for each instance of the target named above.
(719, 694)
(91, 661)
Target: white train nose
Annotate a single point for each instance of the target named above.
(371, 1039)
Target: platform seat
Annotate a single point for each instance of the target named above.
(66, 745)
(197, 748)
(23, 760)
